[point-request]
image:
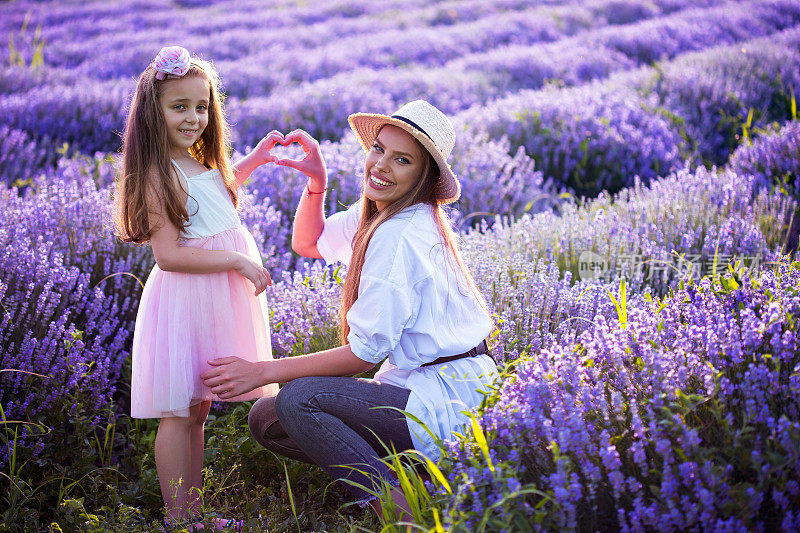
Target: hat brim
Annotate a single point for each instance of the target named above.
(366, 126)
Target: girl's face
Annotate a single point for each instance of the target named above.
(393, 166)
(184, 103)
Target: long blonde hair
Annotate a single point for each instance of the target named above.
(424, 191)
(146, 153)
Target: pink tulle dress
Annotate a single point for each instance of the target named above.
(186, 319)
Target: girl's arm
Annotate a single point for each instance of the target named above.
(172, 257)
(257, 157)
(232, 376)
(309, 219)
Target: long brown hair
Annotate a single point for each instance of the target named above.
(146, 168)
(424, 191)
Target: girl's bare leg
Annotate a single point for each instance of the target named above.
(178, 463)
(198, 413)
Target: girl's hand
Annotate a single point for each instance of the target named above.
(312, 165)
(255, 272)
(231, 376)
(262, 151)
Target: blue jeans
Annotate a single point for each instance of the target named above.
(338, 423)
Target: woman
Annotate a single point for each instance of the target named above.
(407, 298)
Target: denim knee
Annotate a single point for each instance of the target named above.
(266, 429)
(293, 396)
(261, 416)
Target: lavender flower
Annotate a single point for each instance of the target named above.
(652, 424)
(771, 158)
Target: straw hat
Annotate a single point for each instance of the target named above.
(426, 124)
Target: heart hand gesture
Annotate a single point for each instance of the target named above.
(312, 165)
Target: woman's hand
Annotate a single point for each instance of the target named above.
(312, 165)
(231, 376)
(255, 272)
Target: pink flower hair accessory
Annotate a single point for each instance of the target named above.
(172, 62)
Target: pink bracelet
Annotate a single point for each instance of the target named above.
(309, 191)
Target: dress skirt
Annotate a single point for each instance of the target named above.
(186, 319)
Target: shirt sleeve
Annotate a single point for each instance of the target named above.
(377, 318)
(387, 301)
(335, 243)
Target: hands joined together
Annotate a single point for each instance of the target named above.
(312, 164)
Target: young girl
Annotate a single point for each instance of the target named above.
(408, 299)
(178, 191)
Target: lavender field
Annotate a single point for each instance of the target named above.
(629, 210)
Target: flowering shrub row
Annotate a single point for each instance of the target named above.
(590, 137)
(653, 235)
(426, 46)
(60, 317)
(680, 415)
(19, 155)
(646, 122)
(772, 158)
(482, 76)
(682, 213)
(88, 116)
(77, 100)
(268, 47)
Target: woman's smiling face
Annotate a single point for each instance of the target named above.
(394, 165)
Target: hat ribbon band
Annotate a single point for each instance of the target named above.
(414, 124)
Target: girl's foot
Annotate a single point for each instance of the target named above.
(217, 524)
(220, 524)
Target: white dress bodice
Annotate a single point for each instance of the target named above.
(209, 205)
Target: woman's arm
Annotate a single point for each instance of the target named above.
(232, 376)
(171, 257)
(309, 219)
(257, 157)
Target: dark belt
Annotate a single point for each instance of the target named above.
(472, 352)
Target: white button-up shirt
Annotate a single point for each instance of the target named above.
(413, 307)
